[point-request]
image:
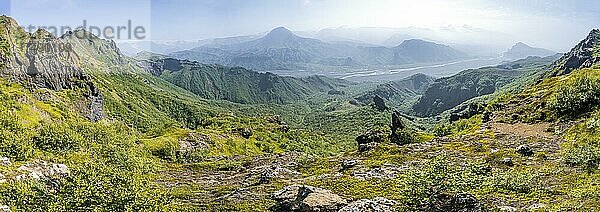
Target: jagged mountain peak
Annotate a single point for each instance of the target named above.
(9, 21)
(586, 54)
(42, 33)
(94, 48)
(80, 34)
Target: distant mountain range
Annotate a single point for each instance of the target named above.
(281, 49)
(521, 51)
(132, 48)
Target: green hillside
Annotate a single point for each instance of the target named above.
(469, 84)
(239, 85)
(88, 129)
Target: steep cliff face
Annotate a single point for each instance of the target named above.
(586, 54)
(40, 60)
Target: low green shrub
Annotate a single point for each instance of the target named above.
(59, 137)
(577, 96)
(15, 139)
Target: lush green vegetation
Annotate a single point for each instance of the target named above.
(579, 95)
(240, 85)
(109, 170)
(174, 142)
(468, 84)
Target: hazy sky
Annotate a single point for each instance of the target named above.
(552, 23)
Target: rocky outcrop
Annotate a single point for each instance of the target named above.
(348, 164)
(4, 208)
(42, 170)
(377, 204)
(94, 110)
(307, 198)
(507, 161)
(4, 161)
(272, 172)
(584, 55)
(379, 103)
(157, 65)
(466, 111)
(194, 141)
(40, 60)
(385, 172)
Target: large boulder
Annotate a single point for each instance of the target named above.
(348, 164)
(524, 150)
(377, 204)
(307, 198)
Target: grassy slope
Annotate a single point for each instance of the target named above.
(146, 118)
(470, 84)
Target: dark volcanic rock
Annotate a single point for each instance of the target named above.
(524, 150)
(379, 103)
(507, 161)
(400, 134)
(245, 132)
(370, 137)
(347, 164)
(397, 123)
(95, 108)
(487, 117)
(369, 140)
(156, 66)
(367, 146)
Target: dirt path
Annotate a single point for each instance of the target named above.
(539, 130)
